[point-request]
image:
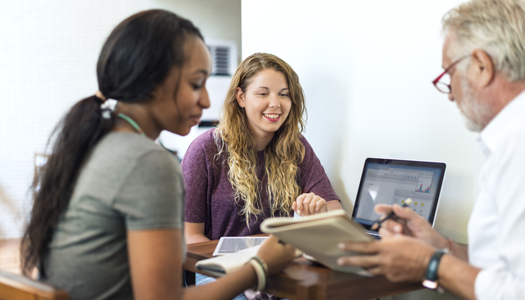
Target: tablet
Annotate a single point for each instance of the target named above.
(232, 244)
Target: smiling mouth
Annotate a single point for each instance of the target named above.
(272, 116)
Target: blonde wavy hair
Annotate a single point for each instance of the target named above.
(284, 153)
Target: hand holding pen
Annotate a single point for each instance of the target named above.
(408, 223)
(390, 215)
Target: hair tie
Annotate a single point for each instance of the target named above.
(105, 106)
(100, 96)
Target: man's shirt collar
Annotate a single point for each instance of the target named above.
(509, 119)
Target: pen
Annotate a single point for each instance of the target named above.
(390, 215)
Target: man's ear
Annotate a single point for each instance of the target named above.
(483, 71)
(239, 95)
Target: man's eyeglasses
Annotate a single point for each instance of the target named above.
(442, 83)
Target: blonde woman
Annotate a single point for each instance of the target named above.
(255, 164)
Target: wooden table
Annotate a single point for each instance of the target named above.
(303, 280)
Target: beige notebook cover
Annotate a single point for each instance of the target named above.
(318, 236)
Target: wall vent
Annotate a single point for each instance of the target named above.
(221, 61)
(223, 56)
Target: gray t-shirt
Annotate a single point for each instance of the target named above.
(128, 183)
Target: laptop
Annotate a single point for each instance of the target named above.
(389, 181)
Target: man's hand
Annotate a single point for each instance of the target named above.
(407, 222)
(309, 204)
(399, 258)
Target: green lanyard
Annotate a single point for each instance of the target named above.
(132, 123)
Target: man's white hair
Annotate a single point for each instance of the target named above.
(494, 26)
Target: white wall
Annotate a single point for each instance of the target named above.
(366, 68)
(48, 53)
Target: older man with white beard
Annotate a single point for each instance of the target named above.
(484, 56)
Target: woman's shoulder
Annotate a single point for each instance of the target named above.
(207, 140)
(118, 158)
(128, 141)
(125, 147)
(309, 153)
(204, 147)
(121, 153)
(307, 146)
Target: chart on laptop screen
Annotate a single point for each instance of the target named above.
(394, 184)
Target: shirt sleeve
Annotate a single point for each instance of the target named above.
(505, 278)
(153, 194)
(195, 170)
(313, 177)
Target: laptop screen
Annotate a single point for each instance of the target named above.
(389, 181)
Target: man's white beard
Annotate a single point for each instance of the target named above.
(473, 113)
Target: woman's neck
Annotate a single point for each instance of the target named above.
(261, 141)
(138, 114)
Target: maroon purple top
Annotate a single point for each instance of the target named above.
(210, 198)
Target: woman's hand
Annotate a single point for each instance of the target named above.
(309, 204)
(275, 254)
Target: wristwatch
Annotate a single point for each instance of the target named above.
(430, 281)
